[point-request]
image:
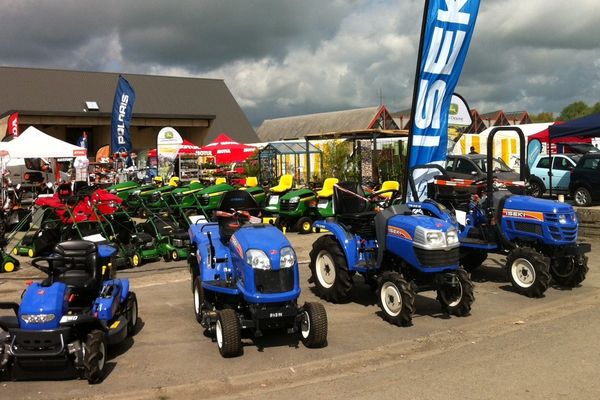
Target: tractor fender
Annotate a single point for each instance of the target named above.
(124, 289)
(347, 240)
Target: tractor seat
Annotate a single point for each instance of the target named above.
(80, 270)
(251, 181)
(220, 181)
(235, 200)
(353, 210)
(285, 184)
(327, 190)
(387, 187)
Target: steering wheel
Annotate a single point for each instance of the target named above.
(384, 201)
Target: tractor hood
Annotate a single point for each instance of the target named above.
(42, 307)
(410, 222)
(300, 194)
(215, 189)
(533, 204)
(263, 237)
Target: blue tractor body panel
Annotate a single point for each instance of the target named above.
(39, 300)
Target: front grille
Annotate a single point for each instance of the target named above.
(437, 258)
(286, 205)
(204, 200)
(528, 227)
(271, 281)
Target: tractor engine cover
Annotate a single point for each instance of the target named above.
(42, 307)
(530, 218)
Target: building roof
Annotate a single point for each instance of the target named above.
(330, 122)
(62, 92)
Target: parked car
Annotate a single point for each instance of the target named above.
(585, 180)
(579, 148)
(474, 166)
(562, 165)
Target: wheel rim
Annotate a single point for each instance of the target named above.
(305, 325)
(136, 260)
(391, 299)
(219, 333)
(197, 300)
(455, 293)
(325, 269)
(30, 253)
(15, 251)
(523, 272)
(9, 267)
(306, 226)
(580, 197)
(102, 358)
(174, 255)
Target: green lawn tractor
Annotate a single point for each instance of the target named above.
(286, 183)
(258, 192)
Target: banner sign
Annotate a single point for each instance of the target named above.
(446, 33)
(459, 113)
(168, 143)
(121, 117)
(13, 125)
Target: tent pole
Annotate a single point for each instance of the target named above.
(551, 162)
(307, 161)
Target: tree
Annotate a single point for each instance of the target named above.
(544, 116)
(575, 110)
(337, 160)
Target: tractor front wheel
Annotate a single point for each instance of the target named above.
(198, 299)
(132, 314)
(528, 271)
(569, 272)
(95, 356)
(174, 255)
(313, 325)
(228, 333)
(396, 299)
(329, 270)
(304, 225)
(457, 300)
(135, 260)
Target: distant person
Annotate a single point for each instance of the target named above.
(472, 150)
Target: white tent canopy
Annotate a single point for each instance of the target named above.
(33, 143)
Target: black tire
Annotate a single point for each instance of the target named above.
(132, 314)
(472, 259)
(396, 298)
(313, 325)
(304, 225)
(576, 270)
(167, 256)
(582, 197)
(95, 356)
(329, 270)
(228, 333)
(279, 223)
(528, 271)
(536, 188)
(457, 301)
(198, 292)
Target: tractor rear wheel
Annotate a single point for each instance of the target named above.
(174, 255)
(472, 259)
(569, 272)
(132, 314)
(198, 299)
(95, 356)
(329, 270)
(304, 225)
(457, 300)
(528, 271)
(313, 325)
(228, 333)
(396, 299)
(135, 260)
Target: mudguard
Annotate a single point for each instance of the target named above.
(348, 242)
(107, 304)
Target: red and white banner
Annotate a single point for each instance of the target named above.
(13, 125)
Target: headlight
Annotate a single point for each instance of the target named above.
(562, 219)
(435, 238)
(258, 259)
(287, 258)
(295, 199)
(37, 318)
(451, 237)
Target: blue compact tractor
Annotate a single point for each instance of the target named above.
(245, 278)
(66, 322)
(538, 236)
(398, 252)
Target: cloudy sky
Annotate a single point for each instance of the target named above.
(291, 57)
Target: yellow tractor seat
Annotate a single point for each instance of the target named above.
(327, 190)
(285, 183)
(387, 187)
(251, 181)
(220, 180)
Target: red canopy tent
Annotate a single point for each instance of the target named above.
(225, 150)
(186, 148)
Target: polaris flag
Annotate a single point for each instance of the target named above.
(121, 117)
(446, 33)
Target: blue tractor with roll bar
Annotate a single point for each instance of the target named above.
(64, 324)
(538, 236)
(245, 278)
(397, 251)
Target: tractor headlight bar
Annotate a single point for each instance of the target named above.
(258, 259)
(287, 258)
(295, 199)
(37, 318)
(434, 239)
